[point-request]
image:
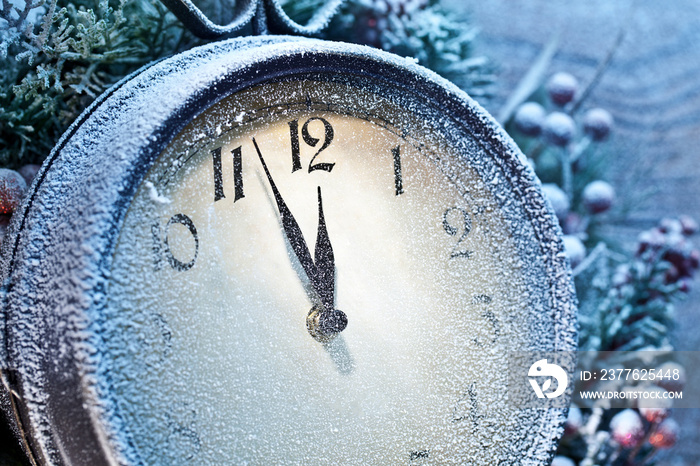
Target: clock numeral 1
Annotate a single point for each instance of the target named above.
(161, 247)
(219, 177)
(237, 174)
(398, 179)
(157, 246)
(294, 137)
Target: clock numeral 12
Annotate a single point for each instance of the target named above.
(219, 177)
(311, 141)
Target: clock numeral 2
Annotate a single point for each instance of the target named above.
(453, 226)
(219, 177)
(311, 141)
(161, 247)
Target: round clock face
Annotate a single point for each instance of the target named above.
(331, 263)
(424, 267)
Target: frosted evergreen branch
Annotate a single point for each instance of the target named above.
(52, 69)
(46, 25)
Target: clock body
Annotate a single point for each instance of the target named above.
(156, 305)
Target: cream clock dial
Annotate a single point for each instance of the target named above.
(318, 255)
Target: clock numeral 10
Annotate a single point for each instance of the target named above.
(219, 177)
(161, 247)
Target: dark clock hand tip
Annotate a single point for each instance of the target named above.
(324, 259)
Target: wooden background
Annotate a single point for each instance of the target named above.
(652, 89)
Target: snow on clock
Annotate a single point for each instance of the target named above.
(282, 251)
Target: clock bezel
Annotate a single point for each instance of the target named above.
(221, 69)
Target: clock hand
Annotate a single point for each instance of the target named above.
(333, 320)
(291, 228)
(324, 259)
(323, 322)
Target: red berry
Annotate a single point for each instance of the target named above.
(12, 188)
(655, 409)
(559, 129)
(574, 249)
(626, 428)
(672, 275)
(665, 435)
(688, 224)
(562, 88)
(574, 224)
(597, 123)
(673, 377)
(558, 199)
(598, 197)
(529, 118)
(694, 259)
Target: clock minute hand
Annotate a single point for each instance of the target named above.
(324, 260)
(291, 229)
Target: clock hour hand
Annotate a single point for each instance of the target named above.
(324, 321)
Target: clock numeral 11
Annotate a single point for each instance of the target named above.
(219, 177)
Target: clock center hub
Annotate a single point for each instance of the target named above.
(324, 324)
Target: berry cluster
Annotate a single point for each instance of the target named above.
(625, 299)
(557, 147)
(558, 127)
(623, 436)
(669, 243)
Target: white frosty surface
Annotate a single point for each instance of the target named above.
(60, 269)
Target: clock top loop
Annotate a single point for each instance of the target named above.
(265, 17)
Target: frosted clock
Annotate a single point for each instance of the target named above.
(282, 251)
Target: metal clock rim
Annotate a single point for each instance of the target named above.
(302, 51)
